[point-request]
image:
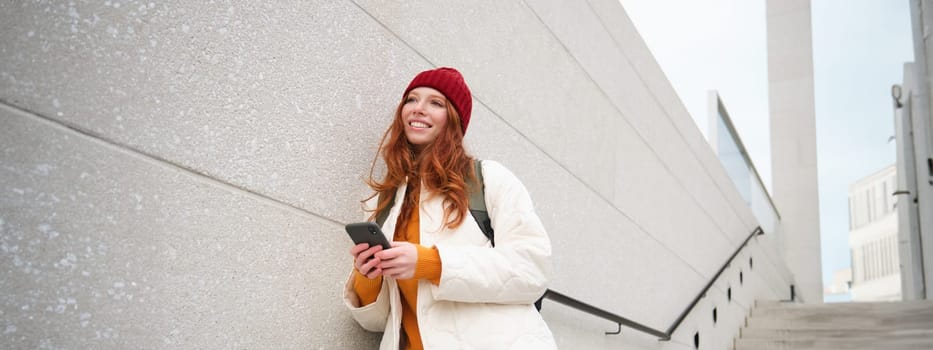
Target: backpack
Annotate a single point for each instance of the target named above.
(477, 193)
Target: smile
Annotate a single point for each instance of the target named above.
(420, 125)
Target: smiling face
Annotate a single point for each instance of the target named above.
(424, 115)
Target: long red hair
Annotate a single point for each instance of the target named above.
(443, 166)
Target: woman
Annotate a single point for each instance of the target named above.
(442, 284)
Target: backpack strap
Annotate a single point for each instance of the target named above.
(383, 214)
(477, 191)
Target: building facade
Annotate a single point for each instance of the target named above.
(873, 237)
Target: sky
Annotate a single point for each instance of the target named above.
(859, 49)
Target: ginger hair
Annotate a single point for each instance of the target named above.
(442, 166)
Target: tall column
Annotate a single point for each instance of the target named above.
(921, 125)
(908, 100)
(793, 141)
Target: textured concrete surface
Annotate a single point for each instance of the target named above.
(281, 99)
(102, 248)
(272, 112)
(876, 325)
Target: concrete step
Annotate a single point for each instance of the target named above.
(831, 322)
(830, 334)
(764, 307)
(882, 316)
(892, 325)
(833, 344)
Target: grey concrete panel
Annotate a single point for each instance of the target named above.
(282, 99)
(584, 34)
(700, 321)
(644, 186)
(780, 277)
(636, 52)
(102, 248)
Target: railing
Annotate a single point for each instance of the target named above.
(622, 321)
(592, 310)
(740, 169)
(730, 150)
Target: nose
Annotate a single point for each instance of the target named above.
(419, 107)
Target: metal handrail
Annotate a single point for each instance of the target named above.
(683, 315)
(622, 321)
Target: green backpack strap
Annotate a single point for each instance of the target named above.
(383, 214)
(477, 192)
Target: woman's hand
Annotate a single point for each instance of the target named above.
(365, 260)
(399, 261)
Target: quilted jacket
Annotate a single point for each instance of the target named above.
(486, 294)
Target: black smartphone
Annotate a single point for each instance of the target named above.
(367, 232)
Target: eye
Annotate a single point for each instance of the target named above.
(437, 103)
(410, 99)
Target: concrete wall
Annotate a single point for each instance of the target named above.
(177, 175)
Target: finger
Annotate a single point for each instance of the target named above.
(395, 264)
(367, 261)
(376, 272)
(391, 272)
(389, 254)
(358, 248)
(368, 253)
(361, 261)
(367, 268)
(386, 264)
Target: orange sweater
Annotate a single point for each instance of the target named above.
(427, 268)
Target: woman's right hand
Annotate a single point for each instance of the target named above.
(365, 260)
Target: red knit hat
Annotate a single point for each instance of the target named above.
(450, 83)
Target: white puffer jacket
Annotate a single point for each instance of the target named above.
(486, 295)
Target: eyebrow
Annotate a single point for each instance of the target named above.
(429, 94)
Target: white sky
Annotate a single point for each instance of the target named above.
(859, 49)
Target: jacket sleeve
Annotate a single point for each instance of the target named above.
(515, 271)
(372, 317)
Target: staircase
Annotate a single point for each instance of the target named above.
(877, 325)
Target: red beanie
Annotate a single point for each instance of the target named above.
(450, 83)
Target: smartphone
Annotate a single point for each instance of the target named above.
(367, 232)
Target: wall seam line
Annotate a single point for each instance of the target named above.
(658, 103)
(637, 132)
(159, 161)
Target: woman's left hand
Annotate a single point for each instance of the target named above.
(399, 261)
